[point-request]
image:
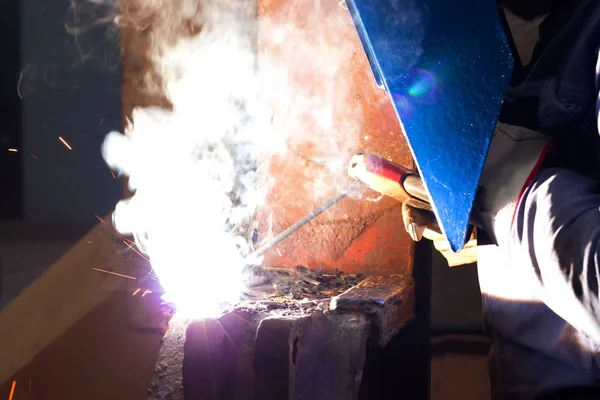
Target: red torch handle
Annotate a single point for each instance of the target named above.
(387, 178)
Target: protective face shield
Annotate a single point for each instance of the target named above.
(446, 66)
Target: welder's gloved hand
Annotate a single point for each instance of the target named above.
(422, 224)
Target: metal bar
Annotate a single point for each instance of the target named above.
(314, 214)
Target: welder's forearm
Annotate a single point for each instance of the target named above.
(557, 229)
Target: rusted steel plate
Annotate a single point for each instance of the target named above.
(337, 110)
(317, 44)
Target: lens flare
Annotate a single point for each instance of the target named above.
(422, 87)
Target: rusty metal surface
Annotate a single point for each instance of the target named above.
(388, 300)
(355, 235)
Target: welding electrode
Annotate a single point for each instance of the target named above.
(314, 214)
(379, 174)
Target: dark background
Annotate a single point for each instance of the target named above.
(56, 81)
(10, 113)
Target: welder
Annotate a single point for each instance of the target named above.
(537, 205)
(539, 200)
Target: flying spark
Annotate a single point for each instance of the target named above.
(65, 143)
(114, 273)
(113, 175)
(126, 240)
(136, 292)
(12, 390)
(147, 292)
(33, 156)
(136, 251)
(13, 150)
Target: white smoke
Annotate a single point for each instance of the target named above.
(307, 73)
(195, 169)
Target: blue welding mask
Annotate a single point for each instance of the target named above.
(446, 66)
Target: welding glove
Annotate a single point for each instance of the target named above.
(421, 223)
(514, 158)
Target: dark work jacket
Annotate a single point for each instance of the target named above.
(556, 93)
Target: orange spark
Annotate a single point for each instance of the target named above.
(65, 143)
(136, 251)
(114, 273)
(13, 150)
(136, 292)
(99, 219)
(113, 174)
(33, 156)
(147, 292)
(127, 240)
(12, 390)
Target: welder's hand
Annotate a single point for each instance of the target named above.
(421, 223)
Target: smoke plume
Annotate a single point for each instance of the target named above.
(197, 166)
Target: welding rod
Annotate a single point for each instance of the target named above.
(314, 214)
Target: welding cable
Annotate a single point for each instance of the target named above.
(314, 214)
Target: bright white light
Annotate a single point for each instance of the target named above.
(186, 164)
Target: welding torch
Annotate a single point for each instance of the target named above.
(377, 173)
(389, 179)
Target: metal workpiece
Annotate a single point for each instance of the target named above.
(315, 357)
(388, 302)
(323, 58)
(446, 67)
(167, 379)
(219, 357)
(272, 350)
(254, 256)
